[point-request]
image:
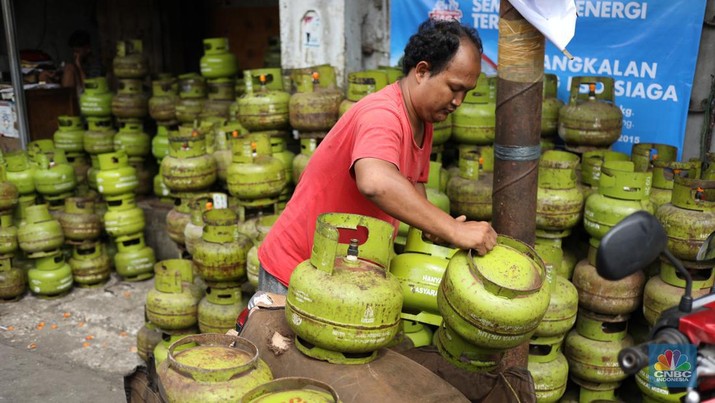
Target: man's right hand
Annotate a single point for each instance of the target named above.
(477, 235)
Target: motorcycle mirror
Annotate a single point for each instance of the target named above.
(630, 245)
(706, 253)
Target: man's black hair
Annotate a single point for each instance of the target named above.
(78, 39)
(436, 42)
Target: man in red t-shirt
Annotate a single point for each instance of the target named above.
(375, 159)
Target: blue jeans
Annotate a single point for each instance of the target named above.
(267, 282)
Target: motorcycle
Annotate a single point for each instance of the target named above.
(621, 253)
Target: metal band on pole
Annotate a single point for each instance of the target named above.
(517, 153)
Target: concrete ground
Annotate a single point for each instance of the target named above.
(78, 347)
(75, 348)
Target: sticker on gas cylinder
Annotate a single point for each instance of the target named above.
(220, 200)
(369, 315)
(296, 319)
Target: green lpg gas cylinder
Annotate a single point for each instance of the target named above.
(563, 307)
(123, 216)
(600, 295)
(9, 195)
(51, 276)
(342, 303)
(192, 97)
(192, 86)
(79, 221)
(130, 101)
(262, 108)
(644, 154)
(8, 235)
(90, 264)
(132, 139)
(222, 147)
(436, 186)
(550, 106)
(169, 337)
(465, 197)
(495, 301)
(179, 216)
(134, 260)
(80, 163)
(255, 173)
(188, 168)
(307, 148)
(160, 143)
(164, 97)
(591, 120)
(20, 172)
(53, 174)
(591, 162)
(96, 100)
(313, 108)
(173, 302)
(129, 61)
(221, 89)
(656, 394)
(13, 281)
(99, 137)
(419, 333)
(664, 173)
(621, 191)
(361, 84)
(194, 229)
(690, 216)
(115, 176)
(263, 226)
(279, 148)
(214, 368)
(664, 290)
(419, 269)
(474, 121)
(148, 336)
(219, 309)
(592, 347)
(216, 108)
(548, 367)
(292, 389)
(462, 354)
(559, 201)
(220, 256)
(217, 61)
(70, 133)
(40, 233)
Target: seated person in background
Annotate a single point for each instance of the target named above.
(74, 73)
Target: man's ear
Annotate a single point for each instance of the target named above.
(422, 70)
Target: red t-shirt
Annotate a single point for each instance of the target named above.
(376, 127)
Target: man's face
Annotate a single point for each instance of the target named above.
(439, 95)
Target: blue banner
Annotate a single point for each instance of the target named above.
(649, 47)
